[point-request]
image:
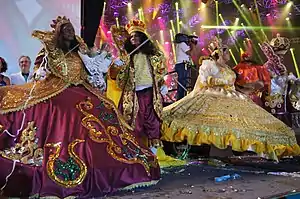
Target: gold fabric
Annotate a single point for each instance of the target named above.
(66, 69)
(126, 82)
(221, 116)
(142, 70)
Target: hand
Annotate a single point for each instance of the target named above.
(164, 90)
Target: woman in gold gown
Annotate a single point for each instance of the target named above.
(215, 113)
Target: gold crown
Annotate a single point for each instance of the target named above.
(59, 21)
(280, 44)
(136, 25)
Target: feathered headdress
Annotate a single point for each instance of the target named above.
(216, 45)
(58, 22)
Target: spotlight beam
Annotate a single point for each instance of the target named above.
(249, 27)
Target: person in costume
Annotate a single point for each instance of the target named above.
(4, 81)
(276, 101)
(215, 113)
(252, 79)
(141, 81)
(60, 137)
(137, 86)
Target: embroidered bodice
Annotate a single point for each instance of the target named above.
(212, 74)
(142, 74)
(67, 66)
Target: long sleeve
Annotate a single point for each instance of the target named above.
(159, 66)
(123, 77)
(40, 70)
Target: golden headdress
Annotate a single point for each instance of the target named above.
(215, 46)
(59, 21)
(136, 25)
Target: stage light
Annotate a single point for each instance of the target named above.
(290, 3)
(287, 18)
(237, 19)
(242, 5)
(158, 17)
(108, 32)
(268, 14)
(166, 42)
(220, 15)
(203, 49)
(129, 4)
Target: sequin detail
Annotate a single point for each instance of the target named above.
(26, 150)
(122, 146)
(69, 174)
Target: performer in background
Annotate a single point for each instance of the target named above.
(215, 113)
(276, 101)
(72, 140)
(184, 46)
(4, 81)
(252, 79)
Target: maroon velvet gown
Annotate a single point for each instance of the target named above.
(73, 141)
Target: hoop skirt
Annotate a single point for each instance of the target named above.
(60, 137)
(215, 114)
(73, 145)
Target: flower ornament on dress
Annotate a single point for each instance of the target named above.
(215, 46)
(96, 67)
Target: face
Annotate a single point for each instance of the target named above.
(226, 55)
(135, 39)
(24, 64)
(68, 32)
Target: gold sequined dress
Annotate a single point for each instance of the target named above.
(215, 113)
(73, 142)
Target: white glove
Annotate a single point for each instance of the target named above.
(118, 62)
(164, 90)
(40, 74)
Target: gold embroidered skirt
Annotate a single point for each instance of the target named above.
(227, 118)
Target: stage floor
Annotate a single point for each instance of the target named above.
(197, 182)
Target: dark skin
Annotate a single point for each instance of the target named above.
(4, 78)
(68, 34)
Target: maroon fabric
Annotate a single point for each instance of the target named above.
(147, 122)
(58, 120)
(257, 100)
